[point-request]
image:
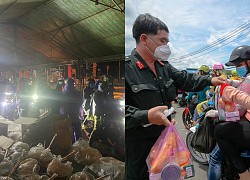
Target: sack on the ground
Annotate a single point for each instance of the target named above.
(169, 157)
(203, 139)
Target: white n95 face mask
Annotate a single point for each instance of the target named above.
(162, 52)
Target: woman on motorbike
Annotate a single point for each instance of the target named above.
(215, 157)
(230, 144)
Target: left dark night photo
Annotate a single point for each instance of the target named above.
(62, 89)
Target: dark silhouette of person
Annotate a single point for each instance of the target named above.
(71, 104)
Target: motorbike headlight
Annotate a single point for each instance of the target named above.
(35, 97)
(122, 103)
(4, 103)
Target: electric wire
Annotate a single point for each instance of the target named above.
(226, 37)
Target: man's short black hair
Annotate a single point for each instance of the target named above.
(147, 24)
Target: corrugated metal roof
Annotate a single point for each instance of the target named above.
(40, 31)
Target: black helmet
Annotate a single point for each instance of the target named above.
(239, 54)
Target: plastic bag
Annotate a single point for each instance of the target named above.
(169, 156)
(203, 139)
(110, 168)
(87, 156)
(228, 111)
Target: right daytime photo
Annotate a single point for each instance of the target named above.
(187, 90)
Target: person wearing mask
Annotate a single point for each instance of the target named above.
(203, 71)
(150, 86)
(230, 143)
(60, 85)
(104, 99)
(201, 95)
(71, 103)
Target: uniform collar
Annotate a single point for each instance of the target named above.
(139, 61)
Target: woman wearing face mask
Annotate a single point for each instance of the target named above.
(150, 86)
(59, 86)
(232, 137)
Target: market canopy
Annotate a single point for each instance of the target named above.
(44, 31)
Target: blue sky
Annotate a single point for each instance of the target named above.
(210, 29)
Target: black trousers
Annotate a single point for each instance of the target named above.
(232, 137)
(135, 160)
(77, 127)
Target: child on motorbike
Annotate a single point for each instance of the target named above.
(233, 136)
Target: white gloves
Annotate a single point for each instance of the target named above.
(212, 113)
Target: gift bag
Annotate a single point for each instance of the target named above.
(228, 111)
(169, 157)
(203, 139)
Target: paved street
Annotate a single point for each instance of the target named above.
(200, 170)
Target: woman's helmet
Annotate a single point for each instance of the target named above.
(234, 72)
(204, 69)
(239, 54)
(218, 66)
(218, 69)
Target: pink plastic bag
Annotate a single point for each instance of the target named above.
(169, 156)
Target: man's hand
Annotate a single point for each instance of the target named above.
(155, 116)
(216, 81)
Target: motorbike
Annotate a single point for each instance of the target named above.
(28, 106)
(228, 172)
(108, 135)
(199, 157)
(187, 114)
(34, 103)
(9, 108)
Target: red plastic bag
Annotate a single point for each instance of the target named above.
(169, 151)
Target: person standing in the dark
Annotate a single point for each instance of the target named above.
(71, 103)
(87, 94)
(150, 86)
(60, 85)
